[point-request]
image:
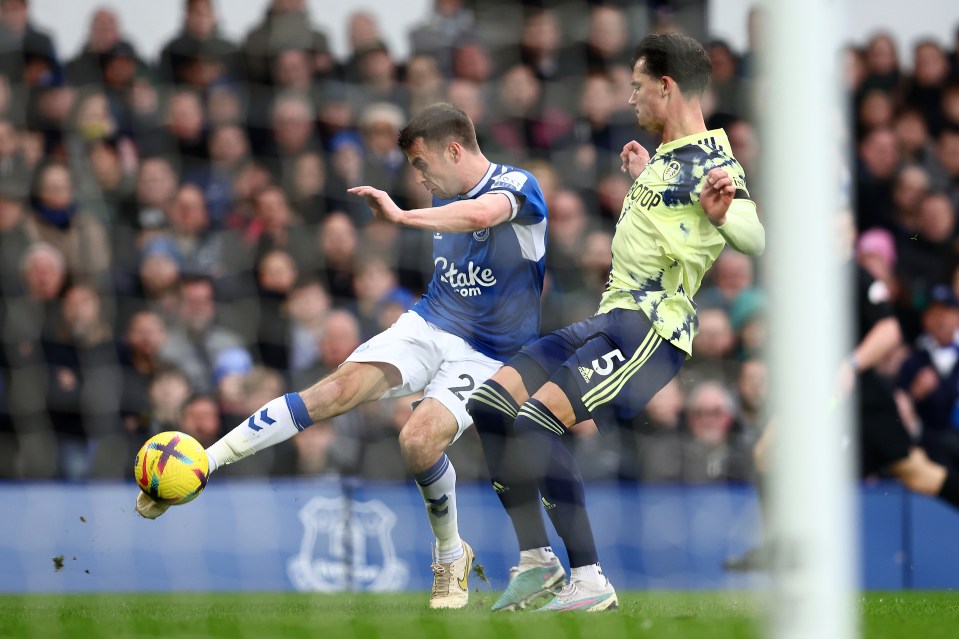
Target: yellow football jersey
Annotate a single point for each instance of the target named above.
(664, 243)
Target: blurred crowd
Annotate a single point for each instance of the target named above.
(177, 247)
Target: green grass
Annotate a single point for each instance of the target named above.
(663, 615)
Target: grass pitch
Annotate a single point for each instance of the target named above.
(663, 615)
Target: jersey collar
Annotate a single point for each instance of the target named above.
(479, 185)
(719, 134)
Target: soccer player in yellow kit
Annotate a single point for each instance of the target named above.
(688, 201)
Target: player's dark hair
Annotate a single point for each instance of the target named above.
(680, 57)
(438, 124)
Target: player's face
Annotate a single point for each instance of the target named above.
(434, 168)
(647, 98)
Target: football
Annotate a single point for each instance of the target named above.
(171, 467)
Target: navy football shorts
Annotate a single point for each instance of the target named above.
(609, 365)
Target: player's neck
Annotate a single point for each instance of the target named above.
(683, 122)
(475, 167)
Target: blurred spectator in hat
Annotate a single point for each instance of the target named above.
(198, 54)
(931, 376)
(285, 25)
(230, 368)
(335, 113)
(448, 24)
(58, 219)
(27, 55)
(86, 67)
(196, 337)
(876, 252)
(157, 280)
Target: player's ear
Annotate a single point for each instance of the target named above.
(455, 151)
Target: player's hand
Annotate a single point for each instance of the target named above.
(716, 195)
(379, 202)
(149, 508)
(634, 158)
(925, 383)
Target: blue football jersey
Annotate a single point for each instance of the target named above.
(486, 284)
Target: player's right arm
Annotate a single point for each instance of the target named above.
(462, 216)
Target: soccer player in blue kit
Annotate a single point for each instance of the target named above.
(688, 201)
(481, 306)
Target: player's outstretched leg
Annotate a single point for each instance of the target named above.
(423, 439)
(561, 485)
(539, 572)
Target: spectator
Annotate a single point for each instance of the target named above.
(197, 338)
(931, 376)
(710, 450)
(447, 25)
(198, 54)
(58, 219)
(200, 418)
(81, 359)
(87, 67)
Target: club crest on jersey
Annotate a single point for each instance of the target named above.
(343, 549)
(468, 282)
(514, 180)
(672, 170)
(481, 236)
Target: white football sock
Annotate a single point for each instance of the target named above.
(536, 556)
(277, 421)
(437, 484)
(591, 574)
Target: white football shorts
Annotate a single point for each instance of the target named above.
(442, 365)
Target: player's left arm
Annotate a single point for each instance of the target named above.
(461, 216)
(732, 213)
